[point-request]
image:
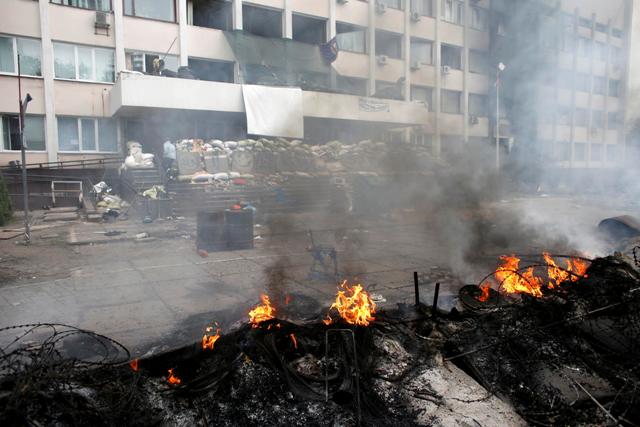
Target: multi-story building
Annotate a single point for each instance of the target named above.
(421, 69)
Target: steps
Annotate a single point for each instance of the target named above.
(142, 179)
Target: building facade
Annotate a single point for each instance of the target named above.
(422, 70)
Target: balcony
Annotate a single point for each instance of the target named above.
(135, 94)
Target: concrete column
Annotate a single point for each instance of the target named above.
(331, 33)
(371, 42)
(605, 126)
(437, 146)
(182, 36)
(406, 41)
(236, 10)
(51, 124)
(118, 34)
(465, 72)
(288, 20)
(624, 83)
(591, 78)
(573, 89)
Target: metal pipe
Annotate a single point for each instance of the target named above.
(436, 293)
(416, 285)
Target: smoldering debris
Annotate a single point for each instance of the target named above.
(568, 357)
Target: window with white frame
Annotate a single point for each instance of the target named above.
(144, 62)
(163, 10)
(421, 51)
(451, 101)
(478, 105)
(82, 134)
(453, 11)
(423, 94)
(103, 5)
(479, 19)
(29, 51)
(33, 132)
(423, 7)
(351, 37)
(86, 63)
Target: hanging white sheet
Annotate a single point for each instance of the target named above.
(273, 111)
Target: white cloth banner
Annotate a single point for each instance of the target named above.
(273, 111)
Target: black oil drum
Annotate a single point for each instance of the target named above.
(239, 224)
(211, 233)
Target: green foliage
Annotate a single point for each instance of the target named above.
(5, 203)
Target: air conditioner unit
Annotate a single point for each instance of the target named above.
(381, 8)
(416, 65)
(473, 120)
(343, 1)
(446, 69)
(102, 21)
(416, 16)
(383, 59)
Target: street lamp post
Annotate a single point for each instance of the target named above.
(501, 67)
(23, 156)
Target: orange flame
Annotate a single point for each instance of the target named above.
(294, 340)
(134, 365)
(262, 312)
(484, 296)
(354, 305)
(208, 341)
(515, 281)
(173, 379)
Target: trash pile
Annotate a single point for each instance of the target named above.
(567, 358)
(110, 205)
(215, 161)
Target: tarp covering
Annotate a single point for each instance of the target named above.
(273, 111)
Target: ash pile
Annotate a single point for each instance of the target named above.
(568, 356)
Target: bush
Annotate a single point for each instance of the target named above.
(5, 203)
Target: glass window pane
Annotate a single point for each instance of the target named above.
(155, 9)
(171, 63)
(105, 66)
(10, 130)
(6, 55)
(128, 7)
(34, 133)
(85, 63)
(68, 134)
(107, 135)
(29, 51)
(64, 61)
(88, 134)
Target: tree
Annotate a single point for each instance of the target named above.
(6, 212)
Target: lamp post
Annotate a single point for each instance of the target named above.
(501, 68)
(23, 156)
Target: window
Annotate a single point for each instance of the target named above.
(29, 51)
(568, 20)
(563, 151)
(478, 61)
(351, 38)
(601, 27)
(453, 11)
(564, 115)
(262, 22)
(614, 88)
(596, 152)
(33, 132)
(451, 101)
(479, 19)
(421, 51)
(612, 154)
(352, 85)
(163, 10)
(143, 62)
(212, 14)
(582, 82)
(616, 32)
(599, 85)
(613, 120)
(423, 7)
(616, 56)
(452, 57)
(581, 117)
(568, 42)
(388, 90)
(584, 47)
(393, 4)
(213, 71)
(584, 22)
(601, 51)
(87, 134)
(597, 119)
(423, 94)
(389, 44)
(579, 151)
(309, 30)
(103, 5)
(478, 105)
(83, 63)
